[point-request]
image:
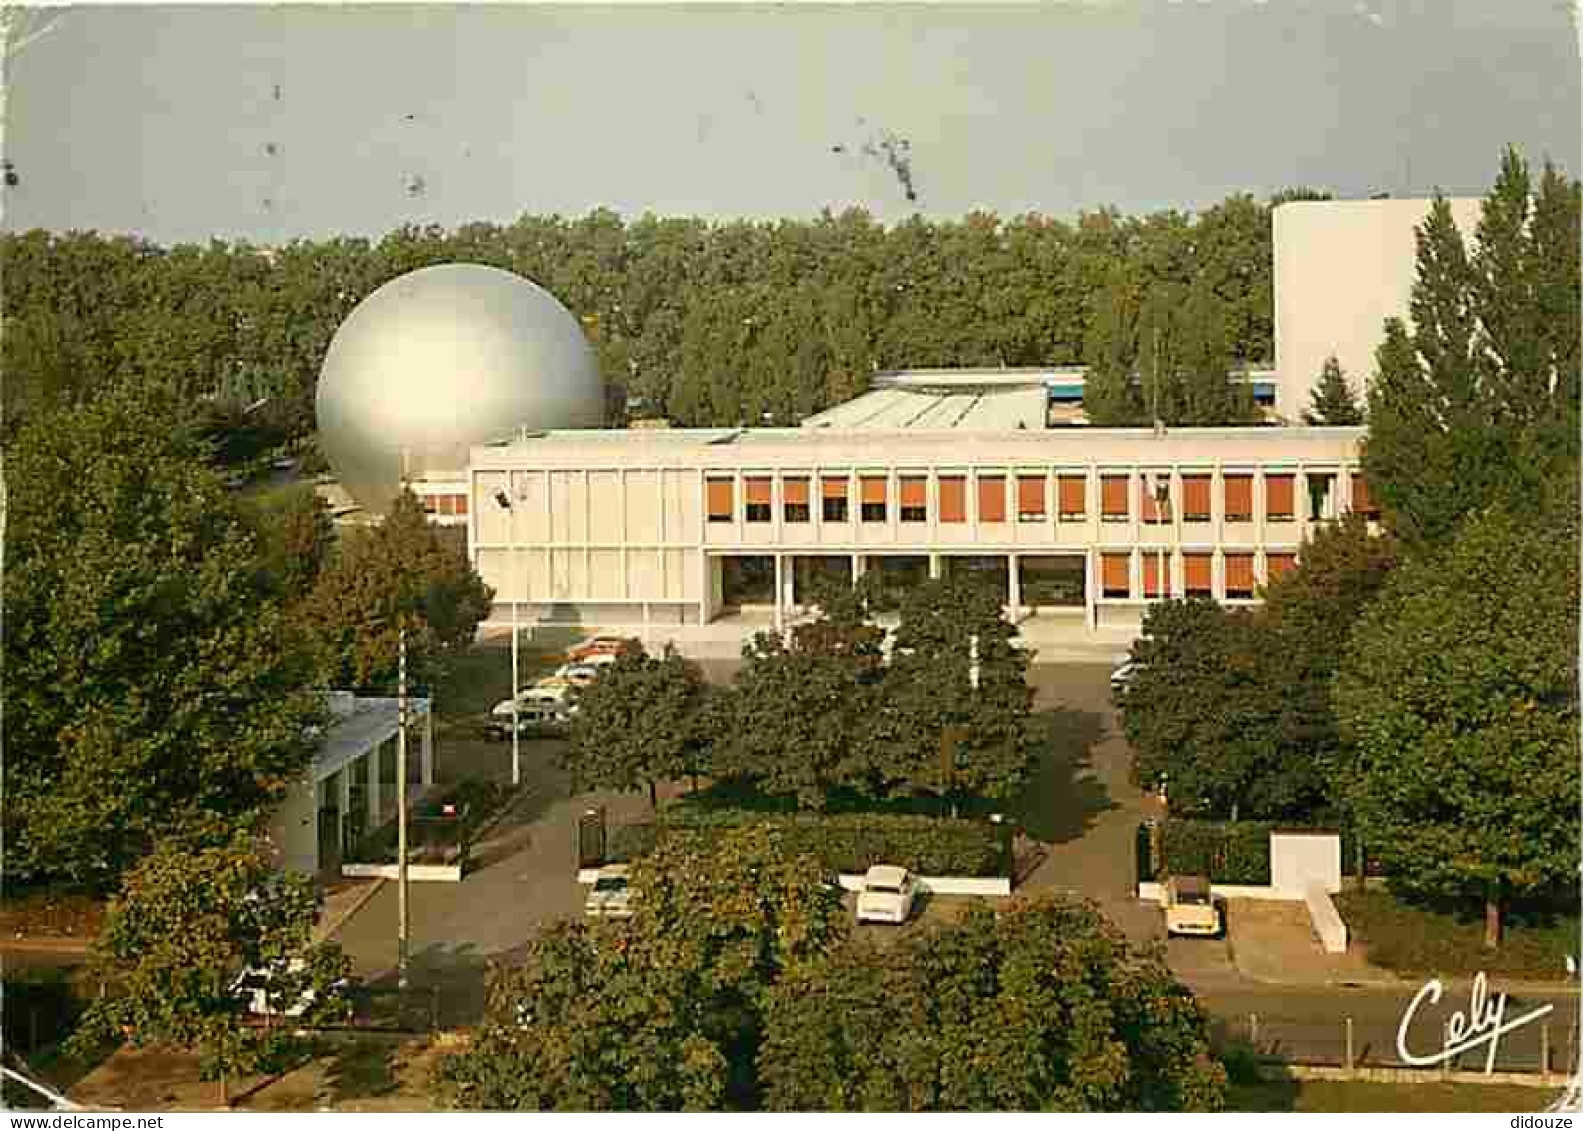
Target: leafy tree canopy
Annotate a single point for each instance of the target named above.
(661, 1012)
(1042, 1007)
(1458, 697)
(151, 681)
(189, 919)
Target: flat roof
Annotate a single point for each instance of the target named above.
(372, 721)
(990, 408)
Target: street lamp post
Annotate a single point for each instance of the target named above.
(402, 922)
(503, 500)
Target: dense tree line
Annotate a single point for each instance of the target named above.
(736, 986)
(819, 711)
(1418, 681)
(707, 323)
(167, 639)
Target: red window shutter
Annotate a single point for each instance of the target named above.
(1277, 564)
(1115, 572)
(1239, 498)
(1278, 496)
(1152, 510)
(1113, 496)
(757, 490)
(1030, 494)
(835, 488)
(953, 499)
(720, 501)
(873, 489)
(992, 498)
(1195, 498)
(1239, 573)
(1197, 573)
(1074, 496)
(461, 504)
(795, 491)
(914, 491)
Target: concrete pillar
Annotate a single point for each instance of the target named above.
(857, 567)
(343, 790)
(934, 567)
(1091, 590)
(780, 593)
(428, 744)
(1014, 565)
(371, 769)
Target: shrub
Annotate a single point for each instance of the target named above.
(843, 843)
(1228, 853)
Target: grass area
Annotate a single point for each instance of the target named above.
(1411, 938)
(1361, 1095)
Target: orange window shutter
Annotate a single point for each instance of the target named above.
(1113, 496)
(795, 491)
(1278, 495)
(757, 490)
(1074, 495)
(873, 489)
(1030, 494)
(720, 498)
(953, 499)
(835, 488)
(447, 504)
(1195, 497)
(1197, 572)
(914, 491)
(461, 504)
(1151, 508)
(1277, 564)
(1239, 572)
(1239, 496)
(1151, 574)
(1115, 572)
(992, 499)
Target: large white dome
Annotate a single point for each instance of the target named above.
(441, 359)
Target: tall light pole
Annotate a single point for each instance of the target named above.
(503, 500)
(402, 922)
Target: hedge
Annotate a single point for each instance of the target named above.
(1227, 852)
(848, 842)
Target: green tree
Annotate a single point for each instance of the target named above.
(638, 724)
(1332, 401)
(190, 917)
(1110, 396)
(1458, 700)
(405, 570)
(1042, 1007)
(295, 538)
(662, 1012)
(1477, 403)
(151, 682)
(932, 730)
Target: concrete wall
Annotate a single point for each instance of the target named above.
(294, 829)
(1341, 269)
(1298, 859)
(1327, 921)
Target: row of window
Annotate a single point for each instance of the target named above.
(444, 504)
(1189, 499)
(1115, 573)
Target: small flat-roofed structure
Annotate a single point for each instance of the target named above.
(350, 788)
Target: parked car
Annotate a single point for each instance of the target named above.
(1190, 907)
(549, 698)
(600, 645)
(611, 894)
(252, 987)
(887, 896)
(531, 721)
(580, 675)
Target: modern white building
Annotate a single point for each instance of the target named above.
(350, 788)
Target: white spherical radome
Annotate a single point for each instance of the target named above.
(439, 360)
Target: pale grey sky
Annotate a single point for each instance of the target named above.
(186, 123)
